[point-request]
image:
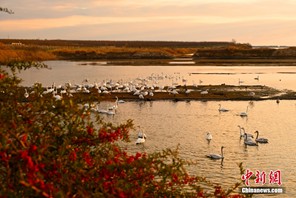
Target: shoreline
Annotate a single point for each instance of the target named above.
(189, 62)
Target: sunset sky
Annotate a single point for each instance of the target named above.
(258, 22)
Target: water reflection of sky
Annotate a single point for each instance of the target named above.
(168, 124)
(281, 77)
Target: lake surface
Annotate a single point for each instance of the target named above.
(60, 72)
(168, 123)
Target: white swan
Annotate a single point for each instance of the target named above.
(110, 112)
(121, 101)
(141, 96)
(217, 156)
(252, 93)
(26, 94)
(141, 138)
(209, 136)
(244, 114)
(142, 135)
(187, 91)
(106, 111)
(243, 132)
(222, 109)
(48, 90)
(260, 140)
(249, 141)
(115, 106)
(103, 111)
(204, 92)
(151, 93)
(175, 92)
(57, 97)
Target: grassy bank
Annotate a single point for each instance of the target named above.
(111, 52)
(10, 54)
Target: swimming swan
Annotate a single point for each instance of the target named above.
(115, 106)
(260, 140)
(244, 114)
(243, 132)
(209, 136)
(222, 109)
(249, 141)
(141, 138)
(217, 156)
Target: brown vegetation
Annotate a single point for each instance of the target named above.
(36, 51)
(10, 54)
(90, 50)
(150, 52)
(87, 53)
(245, 52)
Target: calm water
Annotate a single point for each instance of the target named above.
(282, 77)
(168, 124)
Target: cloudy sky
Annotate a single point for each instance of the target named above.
(258, 22)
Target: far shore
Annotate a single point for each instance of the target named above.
(145, 53)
